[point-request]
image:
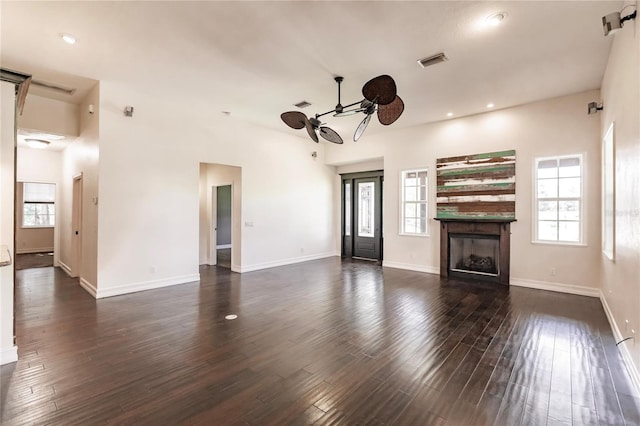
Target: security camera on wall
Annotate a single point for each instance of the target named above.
(614, 22)
(593, 107)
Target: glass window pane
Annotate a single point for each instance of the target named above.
(547, 169)
(547, 188)
(410, 210)
(422, 224)
(410, 194)
(569, 231)
(569, 167)
(547, 230)
(422, 176)
(547, 210)
(569, 187)
(410, 226)
(410, 179)
(569, 210)
(347, 209)
(422, 193)
(366, 209)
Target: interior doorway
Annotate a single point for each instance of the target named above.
(222, 229)
(362, 231)
(35, 224)
(220, 189)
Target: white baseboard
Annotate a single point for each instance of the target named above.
(8, 355)
(91, 289)
(557, 287)
(624, 351)
(65, 268)
(223, 246)
(34, 250)
(145, 285)
(411, 267)
(284, 262)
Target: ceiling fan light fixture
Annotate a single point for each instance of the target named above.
(380, 94)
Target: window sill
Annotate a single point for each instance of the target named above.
(405, 234)
(559, 243)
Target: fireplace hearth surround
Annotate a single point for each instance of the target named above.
(475, 249)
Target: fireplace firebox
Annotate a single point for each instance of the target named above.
(475, 249)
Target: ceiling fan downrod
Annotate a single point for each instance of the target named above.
(339, 107)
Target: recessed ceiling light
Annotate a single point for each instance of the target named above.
(495, 19)
(69, 39)
(449, 114)
(37, 143)
(490, 105)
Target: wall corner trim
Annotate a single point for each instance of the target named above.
(8, 355)
(557, 287)
(411, 267)
(65, 267)
(110, 291)
(90, 288)
(624, 351)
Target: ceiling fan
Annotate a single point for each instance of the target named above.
(380, 95)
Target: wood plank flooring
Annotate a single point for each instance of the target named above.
(323, 342)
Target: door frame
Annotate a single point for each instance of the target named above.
(347, 242)
(213, 223)
(76, 226)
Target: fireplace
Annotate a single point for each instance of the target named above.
(475, 249)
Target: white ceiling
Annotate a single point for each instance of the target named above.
(256, 59)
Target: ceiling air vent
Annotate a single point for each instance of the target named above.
(52, 86)
(432, 60)
(302, 104)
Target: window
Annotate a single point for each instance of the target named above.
(414, 202)
(558, 199)
(39, 208)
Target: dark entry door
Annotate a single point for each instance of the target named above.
(362, 216)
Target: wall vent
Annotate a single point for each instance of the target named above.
(302, 104)
(432, 60)
(55, 87)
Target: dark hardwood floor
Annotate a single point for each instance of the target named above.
(34, 260)
(324, 342)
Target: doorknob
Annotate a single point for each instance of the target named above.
(77, 232)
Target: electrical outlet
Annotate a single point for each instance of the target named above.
(152, 269)
(553, 272)
(301, 249)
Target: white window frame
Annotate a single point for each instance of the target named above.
(582, 242)
(25, 226)
(402, 203)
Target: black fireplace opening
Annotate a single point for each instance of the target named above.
(474, 254)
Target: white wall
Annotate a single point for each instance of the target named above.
(552, 127)
(621, 99)
(149, 190)
(81, 158)
(8, 351)
(42, 165)
(50, 116)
